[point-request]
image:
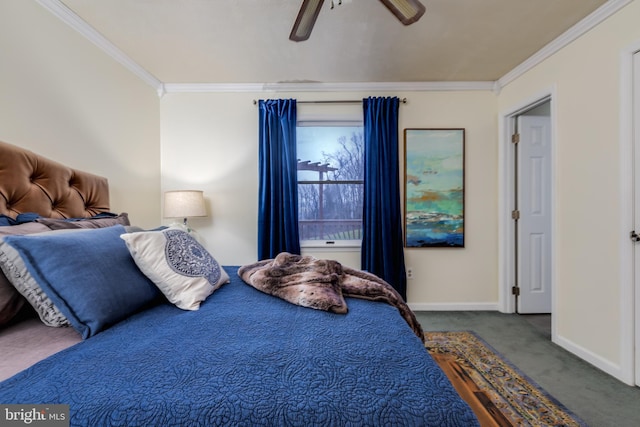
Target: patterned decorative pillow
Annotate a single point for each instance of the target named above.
(181, 268)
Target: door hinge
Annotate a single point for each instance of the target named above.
(515, 214)
(515, 138)
(634, 236)
(515, 290)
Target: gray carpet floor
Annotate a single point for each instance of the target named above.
(594, 396)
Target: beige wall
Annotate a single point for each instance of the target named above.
(209, 142)
(62, 97)
(585, 77)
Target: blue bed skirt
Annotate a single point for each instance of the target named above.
(247, 359)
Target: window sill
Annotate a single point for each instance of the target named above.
(334, 246)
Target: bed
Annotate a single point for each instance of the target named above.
(124, 340)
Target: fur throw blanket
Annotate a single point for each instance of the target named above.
(322, 284)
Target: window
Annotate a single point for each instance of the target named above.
(330, 183)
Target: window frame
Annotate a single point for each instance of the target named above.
(332, 121)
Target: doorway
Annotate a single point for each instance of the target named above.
(527, 181)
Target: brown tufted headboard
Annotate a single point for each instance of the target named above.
(32, 183)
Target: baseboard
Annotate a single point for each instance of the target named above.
(454, 306)
(599, 362)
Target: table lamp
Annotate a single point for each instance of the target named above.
(184, 204)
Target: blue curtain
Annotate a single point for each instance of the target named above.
(278, 192)
(382, 242)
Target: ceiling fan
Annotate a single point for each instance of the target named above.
(407, 11)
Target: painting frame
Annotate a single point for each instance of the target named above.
(434, 187)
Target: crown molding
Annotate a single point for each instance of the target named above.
(586, 24)
(327, 87)
(66, 15)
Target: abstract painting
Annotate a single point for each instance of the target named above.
(434, 188)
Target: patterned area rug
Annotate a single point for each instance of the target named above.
(497, 392)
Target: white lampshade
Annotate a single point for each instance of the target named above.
(184, 204)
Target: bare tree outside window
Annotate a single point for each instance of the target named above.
(330, 182)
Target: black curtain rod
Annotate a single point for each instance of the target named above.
(346, 101)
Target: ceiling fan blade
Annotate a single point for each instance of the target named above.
(306, 19)
(407, 11)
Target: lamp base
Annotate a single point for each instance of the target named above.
(185, 227)
(181, 225)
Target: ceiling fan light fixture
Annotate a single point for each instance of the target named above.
(306, 19)
(407, 11)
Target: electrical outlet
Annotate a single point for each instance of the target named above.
(409, 273)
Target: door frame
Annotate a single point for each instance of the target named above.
(629, 278)
(506, 201)
(635, 352)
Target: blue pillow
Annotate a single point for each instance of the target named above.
(89, 275)
(20, 219)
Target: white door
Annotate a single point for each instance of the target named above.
(636, 219)
(534, 206)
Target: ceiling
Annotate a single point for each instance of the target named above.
(247, 41)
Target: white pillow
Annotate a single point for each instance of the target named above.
(183, 270)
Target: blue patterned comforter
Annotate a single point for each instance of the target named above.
(248, 359)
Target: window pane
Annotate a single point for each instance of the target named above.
(330, 209)
(341, 148)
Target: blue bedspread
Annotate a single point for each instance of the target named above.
(248, 359)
